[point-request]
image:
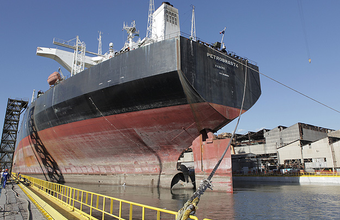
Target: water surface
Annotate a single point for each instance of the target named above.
(249, 200)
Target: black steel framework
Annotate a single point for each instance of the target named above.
(9, 132)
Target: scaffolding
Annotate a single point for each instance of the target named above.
(9, 132)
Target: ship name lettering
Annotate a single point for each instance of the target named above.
(223, 74)
(214, 57)
(220, 67)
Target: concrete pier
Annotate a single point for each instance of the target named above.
(15, 205)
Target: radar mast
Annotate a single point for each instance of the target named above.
(150, 19)
(193, 24)
(100, 52)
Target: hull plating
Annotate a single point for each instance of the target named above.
(135, 113)
(147, 142)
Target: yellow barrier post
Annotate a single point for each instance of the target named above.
(103, 214)
(120, 209)
(91, 204)
(111, 206)
(143, 213)
(131, 208)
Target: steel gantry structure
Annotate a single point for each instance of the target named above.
(9, 132)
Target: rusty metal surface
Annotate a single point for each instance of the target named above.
(206, 155)
(139, 142)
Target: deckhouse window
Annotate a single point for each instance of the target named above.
(171, 17)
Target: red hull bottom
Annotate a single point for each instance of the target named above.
(139, 148)
(206, 155)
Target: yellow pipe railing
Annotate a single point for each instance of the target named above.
(96, 206)
(295, 174)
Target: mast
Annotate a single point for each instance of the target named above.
(222, 32)
(33, 96)
(100, 43)
(150, 19)
(79, 57)
(131, 31)
(193, 24)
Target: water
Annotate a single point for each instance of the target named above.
(249, 201)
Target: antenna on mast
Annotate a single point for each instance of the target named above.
(193, 24)
(100, 43)
(150, 19)
(222, 32)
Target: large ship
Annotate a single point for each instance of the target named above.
(126, 117)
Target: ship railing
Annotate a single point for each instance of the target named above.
(211, 45)
(65, 43)
(96, 206)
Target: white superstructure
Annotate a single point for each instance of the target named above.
(164, 25)
(166, 22)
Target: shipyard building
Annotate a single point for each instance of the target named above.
(300, 147)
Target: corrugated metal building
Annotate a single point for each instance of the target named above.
(300, 146)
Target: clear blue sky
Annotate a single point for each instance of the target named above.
(271, 33)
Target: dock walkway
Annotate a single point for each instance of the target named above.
(31, 198)
(15, 205)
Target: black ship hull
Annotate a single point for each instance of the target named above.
(134, 114)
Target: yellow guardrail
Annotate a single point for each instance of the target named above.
(96, 206)
(47, 210)
(294, 174)
(324, 174)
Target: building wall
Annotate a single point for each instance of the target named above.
(281, 136)
(273, 139)
(312, 135)
(290, 144)
(255, 149)
(336, 147)
(291, 134)
(317, 153)
(320, 153)
(335, 134)
(291, 151)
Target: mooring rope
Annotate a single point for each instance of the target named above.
(288, 87)
(191, 205)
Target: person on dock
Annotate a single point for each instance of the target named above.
(5, 177)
